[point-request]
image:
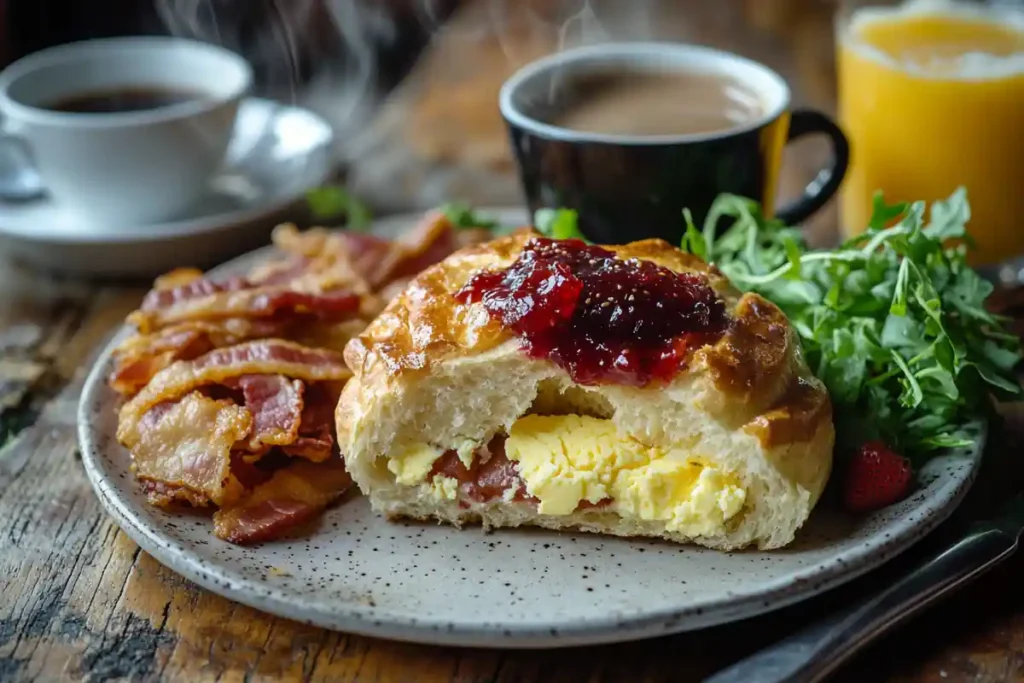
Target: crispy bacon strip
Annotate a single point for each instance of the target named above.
(198, 288)
(428, 243)
(266, 356)
(276, 406)
(279, 272)
(432, 240)
(313, 448)
(296, 360)
(378, 261)
(272, 463)
(335, 259)
(315, 440)
(184, 449)
(326, 274)
(370, 256)
(292, 496)
(164, 495)
(305, 243)
(320, 334)
(140, 357)
(229, 302)
(321, 285)
(354, 257)
(247, 474)
(252, 474)
(184, 284)
(177, 278)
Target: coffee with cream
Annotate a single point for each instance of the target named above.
(639, 103)
(628, 135)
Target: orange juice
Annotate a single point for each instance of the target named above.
(931, 97)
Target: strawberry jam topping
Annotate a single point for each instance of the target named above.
(603, 320)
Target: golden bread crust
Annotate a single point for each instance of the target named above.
(431, 370)
(752, 364)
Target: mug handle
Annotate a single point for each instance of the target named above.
(19, 179)
(820, 190)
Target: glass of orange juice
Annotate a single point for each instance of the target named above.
(931, 97)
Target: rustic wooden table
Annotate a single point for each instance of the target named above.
(80, 601)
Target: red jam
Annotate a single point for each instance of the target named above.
(602, 319)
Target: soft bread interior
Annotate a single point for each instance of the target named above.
(465, 401)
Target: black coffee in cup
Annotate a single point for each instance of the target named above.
(150, 124)
(630, 134)
(120, 100)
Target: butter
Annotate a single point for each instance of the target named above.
(703, 510)
(566, 459)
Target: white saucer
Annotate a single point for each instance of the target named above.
(278, 152)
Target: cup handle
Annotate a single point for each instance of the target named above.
(19, 179)
(820, 190)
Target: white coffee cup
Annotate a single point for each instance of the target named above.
(125, 168)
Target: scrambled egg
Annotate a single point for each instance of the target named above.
(567, 459)
(446, 488)
(412, 464)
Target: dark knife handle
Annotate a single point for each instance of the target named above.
(816, 651)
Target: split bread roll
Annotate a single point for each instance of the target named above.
(450, 416)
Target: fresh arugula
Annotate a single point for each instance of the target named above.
(332, 202)
(559, 224)
(555, 223)
(463, 216)
(893, 321)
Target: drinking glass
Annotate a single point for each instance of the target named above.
(931, 97)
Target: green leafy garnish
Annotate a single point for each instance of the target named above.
(331, 202)
(559, 224)
(893, 321)
(462, 215)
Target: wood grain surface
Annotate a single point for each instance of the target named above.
(79, 601)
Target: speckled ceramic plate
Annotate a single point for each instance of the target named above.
(515, 588)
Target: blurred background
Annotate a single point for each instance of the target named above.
(410, 85)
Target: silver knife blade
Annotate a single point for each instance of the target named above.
(816, 651)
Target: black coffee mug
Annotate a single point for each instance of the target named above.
(627, 187)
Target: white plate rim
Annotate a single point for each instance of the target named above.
(396, 625)
(189, 227)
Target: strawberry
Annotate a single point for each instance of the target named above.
(877, 476)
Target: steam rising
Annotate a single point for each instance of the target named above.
(316, 53)
(324, 54)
